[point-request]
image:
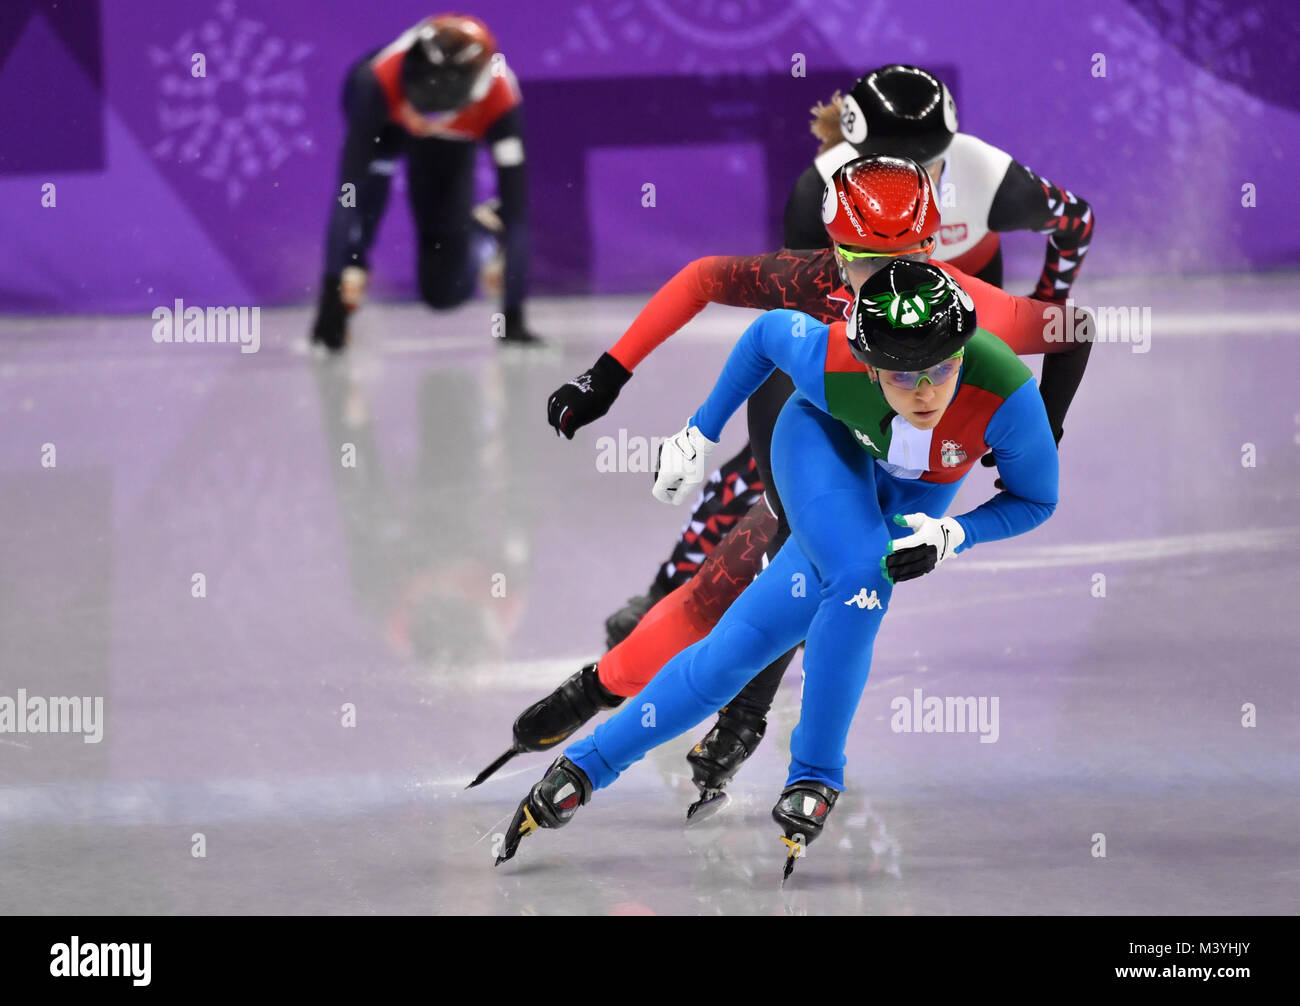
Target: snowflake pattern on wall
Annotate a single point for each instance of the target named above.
(247, 115)
(735, 36)
(1148, 88)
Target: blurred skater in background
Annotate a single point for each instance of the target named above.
(433, 95)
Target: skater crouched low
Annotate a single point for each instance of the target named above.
(431, 96)
(891, 410)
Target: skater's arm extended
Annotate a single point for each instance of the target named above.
(1022, 443)
(505, 139)
(774, 280)
(370, 152)
(766, 282)
(1018, 321)
(788, 340)
(1031, 326)
(1026, 201)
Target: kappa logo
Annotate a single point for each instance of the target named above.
(951, 234)
(866, 439)
(951, 453)
(864, 600)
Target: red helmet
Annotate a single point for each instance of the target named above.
(449, 63)
(881, 203)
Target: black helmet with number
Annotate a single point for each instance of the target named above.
(900, 110)
(449, 63)
(909, 316)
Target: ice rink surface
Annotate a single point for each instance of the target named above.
(465, 563)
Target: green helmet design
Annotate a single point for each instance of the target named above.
(909, 316)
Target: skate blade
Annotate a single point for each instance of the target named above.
(708, 805)
(797, 849)
(491, 769)
(523, 825)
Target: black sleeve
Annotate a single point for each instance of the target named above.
(803, 226)
(512, 190)
(1027, 202)
(370, 151)
(1062, 374)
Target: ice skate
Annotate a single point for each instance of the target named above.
(801, 812)
(718, 757)
(554, 719)
(551, 803)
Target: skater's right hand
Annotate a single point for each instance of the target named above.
(587, 397)
(931, 542)
(682, 460)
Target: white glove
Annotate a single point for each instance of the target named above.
(919, 553)
(352, 286)
(682, 460)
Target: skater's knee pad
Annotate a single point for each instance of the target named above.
(725, 660)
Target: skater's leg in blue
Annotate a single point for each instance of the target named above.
(769, 617)
(831, 489)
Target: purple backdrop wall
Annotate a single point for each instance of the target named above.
(218, 193)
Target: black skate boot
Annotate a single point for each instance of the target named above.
(719, 756)
(517, 334)
(801, 812)
(546, 723)
(619, 625)
(551, 803)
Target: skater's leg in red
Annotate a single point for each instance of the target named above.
(687, 614)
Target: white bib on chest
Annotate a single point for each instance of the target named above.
(909, 450)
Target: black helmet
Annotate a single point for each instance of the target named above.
(900, 110)
(450, 56)
(909, 316)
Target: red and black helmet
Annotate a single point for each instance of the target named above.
(881, 203)
(448, 64)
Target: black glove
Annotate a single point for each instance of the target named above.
(331, 328)
(587, 397)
